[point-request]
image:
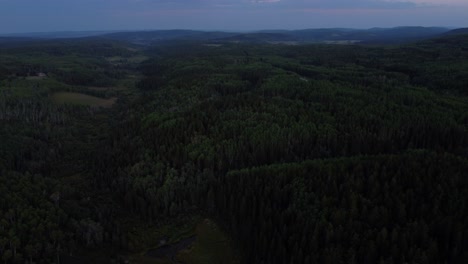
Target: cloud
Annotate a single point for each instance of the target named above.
(151, 4)
(265, 1)
(350, 4)
(289, 4)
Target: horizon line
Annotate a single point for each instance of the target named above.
(7, 34)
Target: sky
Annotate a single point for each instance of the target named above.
(19, 16)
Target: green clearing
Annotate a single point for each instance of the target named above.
(104, 89)
(35, 78)
(82, 99)
(211, 246)
(116, 60)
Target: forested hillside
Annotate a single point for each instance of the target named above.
(47, 206)
(365, 148)
(301, 154)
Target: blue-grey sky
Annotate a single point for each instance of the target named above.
(63, 15)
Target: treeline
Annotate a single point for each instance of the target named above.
(35, 130)
(78, 62)
(47, 206)
(407, 208)
(91, 47)
(30, 110)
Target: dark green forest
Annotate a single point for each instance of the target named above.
(300, 153)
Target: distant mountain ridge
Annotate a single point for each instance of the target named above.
(322, 35)
(458, 31)
(58, 34)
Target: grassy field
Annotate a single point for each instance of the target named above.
(82, 99)
(211, 246)
(117, 60)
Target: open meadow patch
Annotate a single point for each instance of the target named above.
(210, 245)
(82, 99)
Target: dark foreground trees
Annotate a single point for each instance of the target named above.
(406, 208)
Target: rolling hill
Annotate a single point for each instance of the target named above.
(323, 35)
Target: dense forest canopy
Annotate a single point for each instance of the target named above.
(300, 153)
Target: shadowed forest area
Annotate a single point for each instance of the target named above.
(234, 152)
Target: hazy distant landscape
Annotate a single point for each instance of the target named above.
(366, 36)
(329, 145)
